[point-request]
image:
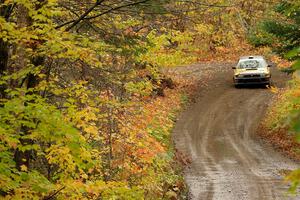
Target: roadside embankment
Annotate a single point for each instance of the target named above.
(278, 128)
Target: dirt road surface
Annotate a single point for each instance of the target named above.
(218, 133)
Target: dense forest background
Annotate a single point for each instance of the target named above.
(82, 110)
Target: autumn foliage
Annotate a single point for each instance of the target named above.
(85, 111)
(79, 116)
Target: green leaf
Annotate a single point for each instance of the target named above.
(293, 53)
(296, 64)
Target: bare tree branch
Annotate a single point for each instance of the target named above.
(53, 194)
(75, 22)
(84, 16)
(117, 8)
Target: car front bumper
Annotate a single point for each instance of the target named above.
(251, 81)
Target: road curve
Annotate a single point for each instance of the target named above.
(218, 133)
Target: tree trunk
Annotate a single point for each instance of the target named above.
(31, 81)
(5, 12)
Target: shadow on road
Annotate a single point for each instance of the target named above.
(258, 86)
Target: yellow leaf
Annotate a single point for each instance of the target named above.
(274, 89)
(24, 168)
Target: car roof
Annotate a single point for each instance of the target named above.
(252, 57)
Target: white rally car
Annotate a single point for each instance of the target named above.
(252, 70)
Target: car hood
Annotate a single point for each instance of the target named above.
(252, 71)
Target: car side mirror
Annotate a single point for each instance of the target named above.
(233, 67)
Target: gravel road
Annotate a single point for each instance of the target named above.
(218, 133)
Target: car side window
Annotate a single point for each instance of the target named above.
(264, 63)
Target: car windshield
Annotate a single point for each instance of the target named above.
(249, 64)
